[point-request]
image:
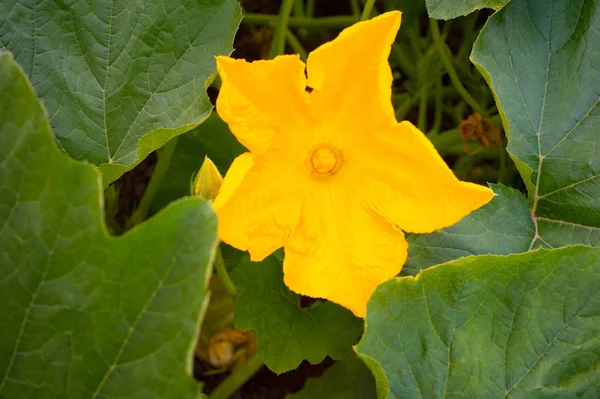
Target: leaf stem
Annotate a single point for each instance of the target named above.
(403, 109)
(236, 380)
(278, 43)
(302, 22)
(443, 52)
(502, 172)
(310, 8)
(403, 60)
(367, 10)
(222, 273)
(437, 120)
(296, 45)
(165, 155)
(422, 118)
(355, 8)
(299, 8)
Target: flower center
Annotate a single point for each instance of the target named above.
(324, 160)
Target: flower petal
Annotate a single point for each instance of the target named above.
(350, 76)
(259, 203)
(258, 99)
(233, 178)
(408, 182)
(342, 250)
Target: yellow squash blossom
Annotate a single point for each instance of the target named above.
(331, 176)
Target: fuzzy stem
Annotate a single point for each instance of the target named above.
(443, 52)
(278, 44)
(437, 120)
(296, 45)
(310, 8)
(367, 10)
(222, 273)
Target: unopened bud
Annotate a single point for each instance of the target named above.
(208, 181)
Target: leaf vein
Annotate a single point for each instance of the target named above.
(121, 350)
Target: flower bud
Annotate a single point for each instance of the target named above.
(208, 181)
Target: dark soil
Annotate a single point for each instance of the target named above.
(265, 384)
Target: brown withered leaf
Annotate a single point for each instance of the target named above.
(478, 128)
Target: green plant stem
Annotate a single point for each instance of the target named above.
(310, 8)
(299, 8)
(236, 380)
(222, 273)
(298, 22)
(503, 166)
(355, 7)
(422, 118)
(296, 45)
(404, 108)
(466, 43)
(403, 60)
(437, 119)
(165, 155)
(299, 11)
(447, 62)
(278, 43)
(412, 30)
(367, 10)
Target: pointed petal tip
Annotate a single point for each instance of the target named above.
(475, 196)
(394, 16)
(359, 310)
(222, 59)
(391, 20)
(486, 194)
(223, 62)
(256, 256)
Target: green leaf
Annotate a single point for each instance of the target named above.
(346, 379)
(213, 139)
(524, 326)
(541, 59)
(448, 9)
(287, 333)
(119, 78)
(83, 314)
(501, 227)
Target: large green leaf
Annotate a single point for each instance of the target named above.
(119, 78)
(83, 314)
(447, 9)
(541, 59)
(523, 326)
(347, 379)
(286, 332)
(213, 139)
(501, 227)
